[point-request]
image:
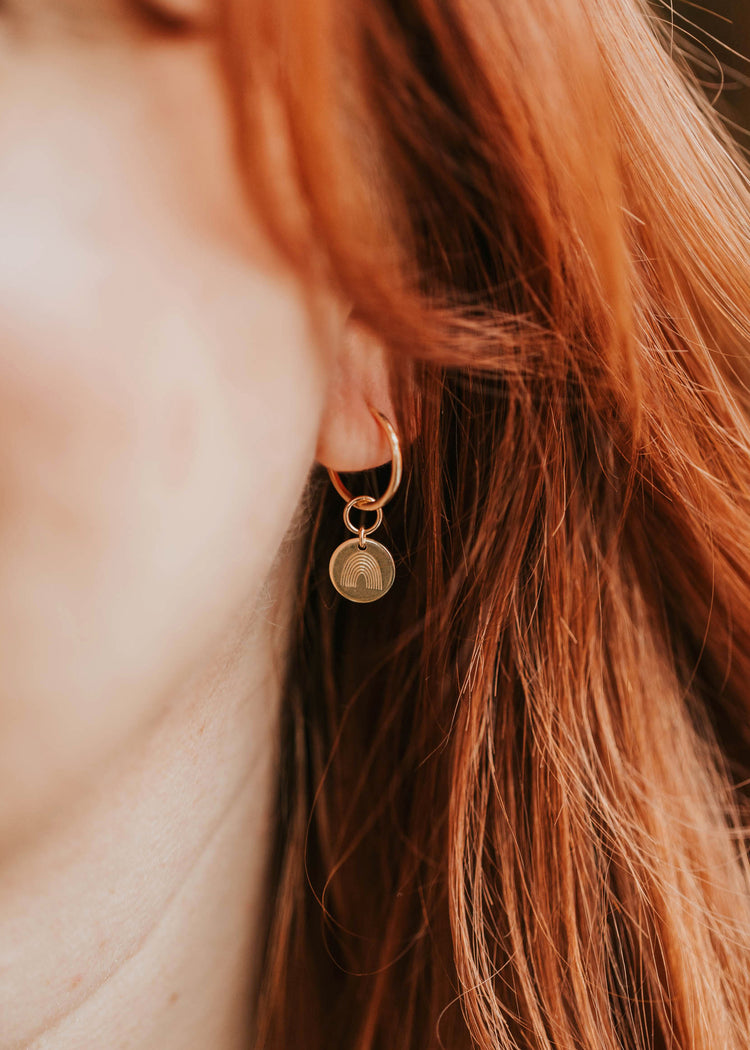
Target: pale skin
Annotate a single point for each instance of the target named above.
(163, 397)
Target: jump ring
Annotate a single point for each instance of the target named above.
(396, 468)
(362, 503)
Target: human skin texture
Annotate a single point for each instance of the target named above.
(165, 388)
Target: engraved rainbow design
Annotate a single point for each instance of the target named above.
(358, 564)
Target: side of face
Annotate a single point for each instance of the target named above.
(160, 386)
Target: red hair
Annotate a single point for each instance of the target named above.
(512, 807)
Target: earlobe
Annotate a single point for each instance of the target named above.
(350, 437)
(394, 444)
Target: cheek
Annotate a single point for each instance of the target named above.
(152, 450)
(159, 400)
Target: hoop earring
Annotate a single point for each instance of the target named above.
(361, 569)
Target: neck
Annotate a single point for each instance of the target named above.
(135, 920)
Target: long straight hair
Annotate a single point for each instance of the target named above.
(513, 806)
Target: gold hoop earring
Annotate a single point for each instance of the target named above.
(361, 569)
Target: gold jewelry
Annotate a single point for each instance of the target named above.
(362, 570)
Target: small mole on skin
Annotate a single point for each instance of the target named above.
(75, 981)
(174, 997)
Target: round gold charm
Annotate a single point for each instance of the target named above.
(362, 574)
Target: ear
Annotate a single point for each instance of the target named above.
(350, 438)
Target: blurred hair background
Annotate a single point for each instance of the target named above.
(715, 36)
